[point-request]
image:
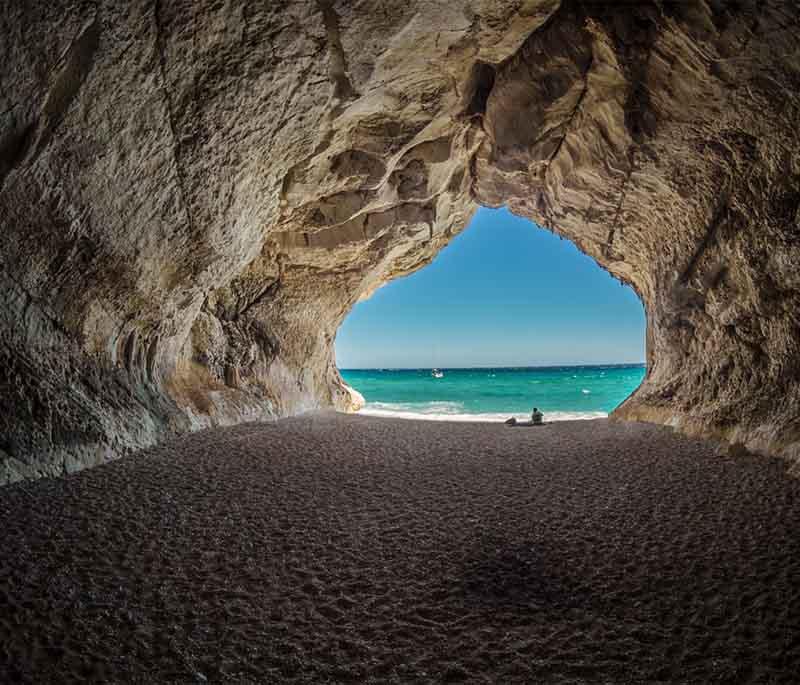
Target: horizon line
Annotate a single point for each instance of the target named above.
(487, 366)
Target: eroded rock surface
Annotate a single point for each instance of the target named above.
(194, 194)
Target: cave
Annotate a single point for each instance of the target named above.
(193, 195)
(192, 200)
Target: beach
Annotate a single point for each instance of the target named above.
(345, 548)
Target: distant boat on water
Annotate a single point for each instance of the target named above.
(436, 373)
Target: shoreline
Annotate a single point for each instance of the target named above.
(464, 417)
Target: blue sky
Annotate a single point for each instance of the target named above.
(503, 293)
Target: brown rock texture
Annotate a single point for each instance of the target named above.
(194, 194)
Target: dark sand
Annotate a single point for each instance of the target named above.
(352, 549)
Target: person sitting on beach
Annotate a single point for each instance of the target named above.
(536, 417)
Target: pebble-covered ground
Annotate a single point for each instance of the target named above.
(332, 549)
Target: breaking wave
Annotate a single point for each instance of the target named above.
(455, 411)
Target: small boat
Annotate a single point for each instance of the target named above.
(436, 373)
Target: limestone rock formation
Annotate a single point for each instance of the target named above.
(194, 194)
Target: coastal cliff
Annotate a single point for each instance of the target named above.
(193, 195)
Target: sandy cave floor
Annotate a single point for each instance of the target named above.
(331, 548)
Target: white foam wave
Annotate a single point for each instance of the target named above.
(440, 407)
(428, 413)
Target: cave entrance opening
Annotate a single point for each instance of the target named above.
(507, 317)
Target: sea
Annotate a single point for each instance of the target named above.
(482, 394)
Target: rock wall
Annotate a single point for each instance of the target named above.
(194, 194)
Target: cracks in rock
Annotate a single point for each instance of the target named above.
(25, 145)
(162, 60)
(10, 109)
(76, 64)
(268, 292)
(473, 174)
(608, 248)
(301, 81)
(472, 159)
(637, 110)
(280, 120)
(337, 69)
(194, 91)
(568, 123)
(717, 218)
(245, 23)
(752, 33)
(38, 303)
(755, 348)
(545, 134)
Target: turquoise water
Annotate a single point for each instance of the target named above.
(563, 392)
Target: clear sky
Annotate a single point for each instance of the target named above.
(503, 293)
